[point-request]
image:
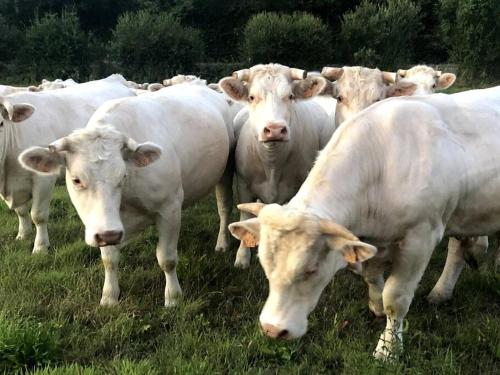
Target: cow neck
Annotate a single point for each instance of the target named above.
(8, 142)
(273, 158)
(338, 184)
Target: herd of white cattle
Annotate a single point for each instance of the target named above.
(351, 167)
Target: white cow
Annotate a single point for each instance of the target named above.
(56, 84)
(39, 118)
(426, 78)
(278, 133)
(356, 88)
(400, 175)
(115, 194)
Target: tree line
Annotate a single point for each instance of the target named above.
(148, 40)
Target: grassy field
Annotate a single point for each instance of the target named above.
(50, 321)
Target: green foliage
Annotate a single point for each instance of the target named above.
(380, 35)
(26, 345)
(151, 46)
(10, 38)
(297, 40)
(55, 47)
(471, 30)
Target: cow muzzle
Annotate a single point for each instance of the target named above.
(275, 332)
(108, 238)
(274, 132)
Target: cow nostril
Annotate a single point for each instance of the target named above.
(283, 334)
(267, 130)
(283, 131)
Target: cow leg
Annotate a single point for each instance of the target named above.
(373, 274)
(25, 227)
(168, 223)
(407, 269)
(243, 255)
(110, 256)
(224, 195)
(43, 187)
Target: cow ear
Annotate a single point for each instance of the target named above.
(234, 88)
(41, 160)
(248, 231)
(401, 88)
(142, 154)
(445, 80)
(352, 251)
(309, 87)
(22, 112)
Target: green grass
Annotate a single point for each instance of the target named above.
(50, 321)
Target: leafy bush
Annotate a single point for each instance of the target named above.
(151, 46)
(55, 47)
(380, 35)
(26, 345)
(298, 40)
(471, 31)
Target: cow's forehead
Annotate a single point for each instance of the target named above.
(264, 82)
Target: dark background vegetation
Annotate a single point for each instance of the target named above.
(148, 40)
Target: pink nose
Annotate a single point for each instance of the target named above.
(274, 332)
(274, 132)
(109, 237)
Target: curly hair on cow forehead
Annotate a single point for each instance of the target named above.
(287, 219)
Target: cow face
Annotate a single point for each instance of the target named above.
(426, 79)
(300, 253)
(359, 87)
(270, 92)
(97, 162)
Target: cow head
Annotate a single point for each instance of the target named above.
(300, 253)
(358, 87)
(97, 161)
(270, 92)
(426, 78)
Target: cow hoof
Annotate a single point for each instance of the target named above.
(221, 249)
(242, 264)
(108, 302)
(40, 250)
(172, 302)
(22, 237)
(437, 298)
(378, 311)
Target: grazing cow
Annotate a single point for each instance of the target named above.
(278, 133)
(120, 182)
(357, 88)
(39, 118)
(399, 175)
(426, 78)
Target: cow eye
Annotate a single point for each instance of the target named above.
(340, 98)
(434, 86)
(251, 98)
(1, 124)
(76, 182)
(291, 97)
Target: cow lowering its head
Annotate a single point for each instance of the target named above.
(426, 78)
(357, 87)
(97, 161)
(269, 92)
(300, 253)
